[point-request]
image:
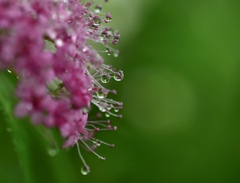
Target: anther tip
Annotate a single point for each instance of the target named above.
(120, 116)
(96, 129)
(99, 115)
(114, 92)
(103, 158)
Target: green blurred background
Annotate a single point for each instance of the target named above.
(181, 95)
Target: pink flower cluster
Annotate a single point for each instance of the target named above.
(57, 86)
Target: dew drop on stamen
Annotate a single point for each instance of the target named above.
(9, 71)
(105, 79)
(115, 38)
(109, 107)
(108, 51)
(101, 95)
(98, 9)
(114, 42)
(116, 110)
(110, 32)
(102, 36)
(85, 170)
(90, 16)
(97, 21)
(85, 110)
(108, 18)
(102, 109)
(97, 143)
(107, 115)
(118, 76)
(59, 42)
(52, 151)
(116, 54)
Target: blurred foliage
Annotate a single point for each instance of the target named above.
(181, 102)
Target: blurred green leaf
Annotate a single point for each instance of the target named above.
(49, 46)
(19, 135)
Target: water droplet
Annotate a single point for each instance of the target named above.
(116, 110)
(105, 79)
(108, 18)
(109, 107)
(116, 54)
(90, 16)
(105, 42)
(85, 110)
(52, 151)
(102, 109)
(97, 21)
(98, 9)
(85, 49)
(59, 42)
(118, 76)
(115, 41)
(97, 143)
(9, 71)
(101, 94)
(107, 115)
(102, 36)
(110, 32)
(117, 35)
(108, 51)
(85, 170)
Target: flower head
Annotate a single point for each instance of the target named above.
(57, 86)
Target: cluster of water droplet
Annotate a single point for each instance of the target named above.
(100, 76)
(92, 143)
(103, 74)
(109, 107)
(105, 34)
